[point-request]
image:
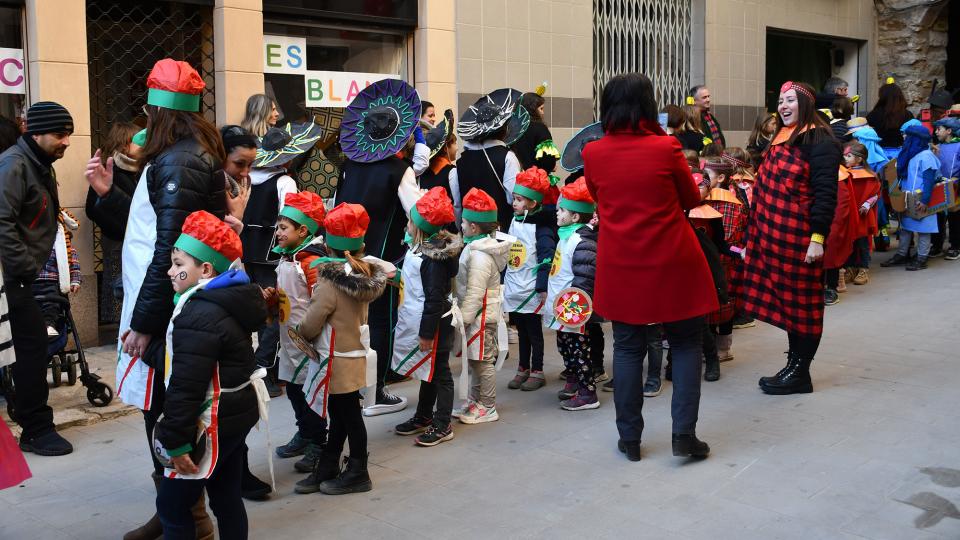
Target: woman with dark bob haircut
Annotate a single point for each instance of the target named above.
(650, 268)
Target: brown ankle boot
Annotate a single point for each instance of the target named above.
(202, 519)
(152, 529)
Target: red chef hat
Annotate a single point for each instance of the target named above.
(479, 207)
(433, 210)
(173, 84)
(532, 183)
(304, 208)
(345, 226)
(576, 198)
(208, 239)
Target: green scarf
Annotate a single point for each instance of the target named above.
(566, 231)
(468, 239)
(287, 252)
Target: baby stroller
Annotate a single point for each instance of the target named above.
(63, 360)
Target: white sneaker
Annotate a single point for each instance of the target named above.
(52, 332)
(478, 414)
(458, 412)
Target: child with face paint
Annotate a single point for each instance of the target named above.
(212, 380)
(528, 270)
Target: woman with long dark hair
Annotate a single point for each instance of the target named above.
(181, 158)
(642, 186)
(532, 141)
(889, 114)
(793, 206)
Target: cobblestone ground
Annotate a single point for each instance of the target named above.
(873, 453)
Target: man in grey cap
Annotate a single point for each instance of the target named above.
(29, 204)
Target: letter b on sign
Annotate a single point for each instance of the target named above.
(314, 90)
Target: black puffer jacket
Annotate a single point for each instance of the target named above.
(441, 262)
(823, 153)
(111, 211)
(213, 334)
(181, 180)
(546, 236)
(585, 263)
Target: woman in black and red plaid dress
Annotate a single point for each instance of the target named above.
(794, 200)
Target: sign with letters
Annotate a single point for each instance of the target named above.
(13, 76)
(338, 88)
(283, 54)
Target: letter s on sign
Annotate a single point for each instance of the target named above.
(295, 56)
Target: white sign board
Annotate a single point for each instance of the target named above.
(282, 54)
(338, 88)
(13, 77)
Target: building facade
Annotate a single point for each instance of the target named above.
(93, 57)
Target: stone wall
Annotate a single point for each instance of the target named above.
(912, 48)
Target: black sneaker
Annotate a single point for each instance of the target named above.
(294, 448)
(896, 260)
(309, 459)
(434, 436)
(49, 444)
(935, 253)
(607, 386)
(253, 488)
(393, 377)
(652, 387)
(386, 403)
(742, 321)
(952, 254)
(413, 426)
(920, 263)
(830, 297)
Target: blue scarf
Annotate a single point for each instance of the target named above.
(868, 137)
(917, 140)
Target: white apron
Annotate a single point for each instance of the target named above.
(208, 420)
(317, 384)
(520, 280)
(134, 378)
(294, 300)
(408, 360)
(561, 277)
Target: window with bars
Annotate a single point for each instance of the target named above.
(652, 37)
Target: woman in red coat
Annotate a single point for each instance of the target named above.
(793, 207)
(650, 268)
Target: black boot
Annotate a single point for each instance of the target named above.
(326, 467)
(794, 379)
(896, 260)
(630, 448)
(251, 487)
(353, 479)
(766, 380)
(689, 446)
(712, 371)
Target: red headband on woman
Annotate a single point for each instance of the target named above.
(790, 85)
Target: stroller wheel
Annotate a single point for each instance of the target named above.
(99, 394)
(56, 369)
(71, 371)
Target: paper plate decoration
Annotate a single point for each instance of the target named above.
(572, 307)
(379, 121)
(517, 125)
(571, 159)
(490, 113)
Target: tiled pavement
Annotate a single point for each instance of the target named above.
(873, 453)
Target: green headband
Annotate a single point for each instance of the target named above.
(422, 223)
(140, 138)
(531, 194)
(479, 217)
(300, 218)
(344, 243)
(202, 252)
(177, 101)
(577, 206)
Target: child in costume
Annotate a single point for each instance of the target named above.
(424, 333)
(482, 260)
(299, 243)
(947, 131)
(336, 323)
(742, 179)
(866, 188)
(917, 170)
(843, 231)
(574, 265)
(734, 222)
(528, 269)
(212, 379)
(60, 274)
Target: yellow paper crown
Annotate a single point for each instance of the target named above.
(891, 80)
(690, 100)
(542, 89)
